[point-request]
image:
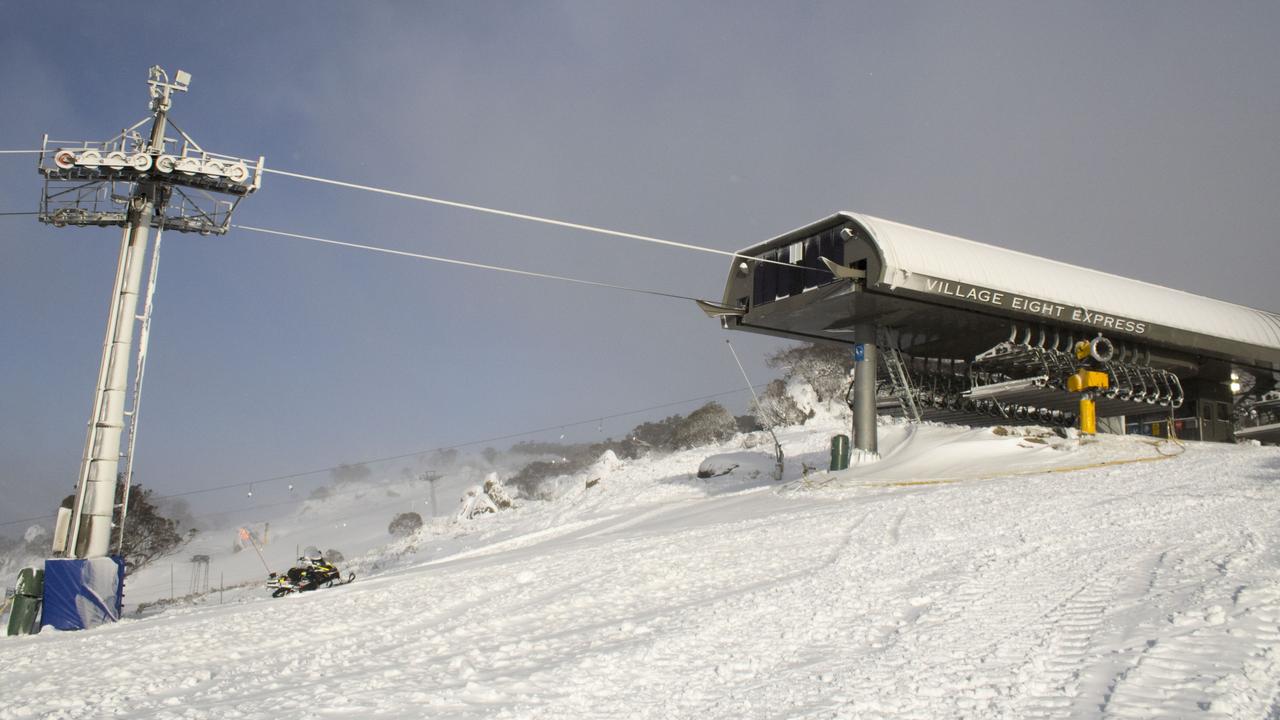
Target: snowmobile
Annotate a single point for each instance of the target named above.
(309, 574)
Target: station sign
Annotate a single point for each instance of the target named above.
(1025, 305)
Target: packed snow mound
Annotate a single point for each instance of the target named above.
(938, 453)
(604, 466)
(750, 465)
(967, 574)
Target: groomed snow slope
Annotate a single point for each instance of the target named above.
(924, 586)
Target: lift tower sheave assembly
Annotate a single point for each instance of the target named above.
(136, 181)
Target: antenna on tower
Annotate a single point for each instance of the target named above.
(136, 180)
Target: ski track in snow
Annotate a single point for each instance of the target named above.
(1137, 591)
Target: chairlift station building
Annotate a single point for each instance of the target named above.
(976, 334)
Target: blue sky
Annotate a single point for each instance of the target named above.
(1138, 138)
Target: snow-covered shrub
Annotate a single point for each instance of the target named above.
(444, 457)
(813, 375)
(497, 493)
(405, 524)
(709, 424)
(778, 408)
(658, 434)
(348, 473)
(825, 368)
(474, 502)
(528, 481)
(561, 459)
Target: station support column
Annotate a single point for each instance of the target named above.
(864, 390)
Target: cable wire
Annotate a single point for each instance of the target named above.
(464, 263)
(511, 214)
(516, 215)
(532, 218)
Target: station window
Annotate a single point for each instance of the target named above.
(774, 282)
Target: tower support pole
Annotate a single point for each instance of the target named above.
(97, 491)
(100, 465)
(104, 365)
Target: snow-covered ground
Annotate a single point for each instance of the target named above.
(966, 574)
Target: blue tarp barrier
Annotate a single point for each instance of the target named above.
(81, 594)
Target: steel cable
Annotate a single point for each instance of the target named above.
(531, 218)
(464, 263)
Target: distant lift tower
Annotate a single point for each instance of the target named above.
(136, 181)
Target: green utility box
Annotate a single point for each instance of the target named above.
(24, 619)
(840, 452)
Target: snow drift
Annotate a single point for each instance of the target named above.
(966, 574)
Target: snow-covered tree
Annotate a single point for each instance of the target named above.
(825, 368)
(149, 534)
(777, 407)
(346, 473)
(710, 423)
(405, 524)
(657, 434)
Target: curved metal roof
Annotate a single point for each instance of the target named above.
(907, 251)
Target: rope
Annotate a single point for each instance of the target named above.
(19, 213)
(20, 152)
(464, 263)
(533, 218)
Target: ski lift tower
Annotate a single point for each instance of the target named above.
(135, 181)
